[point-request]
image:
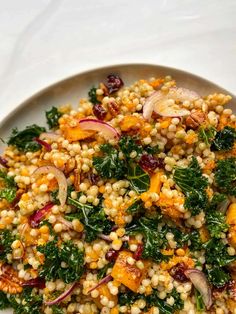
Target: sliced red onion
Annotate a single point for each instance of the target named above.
(62, 296)
(47, 146)
(65, 222)
(3, 162)
(37, 217)
(159, 102)
(100, 126)
(201, 283)
(35, 283)
(49, 136)
(61, 180)
(104, 280)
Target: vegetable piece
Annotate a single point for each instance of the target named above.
(60, 177)
(215, 222)
(129, 275)
(224, 139)
(93, 96)
(52, 116)
(128, 145)
(155, 182)
(9, 190)
(104, 291)
(164, 104)
(218, 277)
(6, 239)
(231, 214)
(102, 272)
(47, 146)
(69, 254)
(102, 282)
(56, 309)
(36, 282)
(37, 217)
(199, 301)
(99, 126)
(225, 176)
(200, 282)
(207, 134)
(24, 140)
(4, 302)
(109, 165)
(62, 296)
(136, 208)
(3, 162)
(139, 179)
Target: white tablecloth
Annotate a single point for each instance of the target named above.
(42, 41)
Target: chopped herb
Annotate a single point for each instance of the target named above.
(193, 184)
(56, 309)
(109, 165)
(93, 96)
(199, 301)
(7, 192)
(4, 302)
(52, 116)
(69, 254)
(224, 139)
(24, 140)
(218, 277)
(207, 134)
(6, 239)
(196, 243)
(128, 145)
(139, 179)
(225, 175)
(216, 224)
(136, 208)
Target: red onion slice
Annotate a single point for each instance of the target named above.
(62, 296)
(104, 280)
(49, 136)
(61, 180)
(65, 222)
(47, 146)
(201, 283)
(35, 283)
(160, 103)
(37, 217)
(100, 126)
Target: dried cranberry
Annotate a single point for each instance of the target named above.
(149, 163)
(111, 255)
(93, 178)
(177, 272)
(113, 83)
(99, 111)
(138, 252)
(36, 282)
(3, 162)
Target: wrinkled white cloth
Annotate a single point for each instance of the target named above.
(44, 41)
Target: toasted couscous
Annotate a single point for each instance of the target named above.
(126, 205)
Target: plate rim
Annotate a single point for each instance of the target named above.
(100, 68)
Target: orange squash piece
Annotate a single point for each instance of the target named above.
(129, 275)
(105, 292)
(131, 123)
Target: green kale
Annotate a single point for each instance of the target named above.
(93, 218)
(128, 298)
(56, 309)
(139, 179)
(196, 243)
(9, 190)
(216, 224)
(109, 165)
(225, 176)
(199, 301)
(193, 184)
(136, 208)
(6, 239)
(52, 116)
(69, 254)
(218, 277)
(24, 140)
(215, 202)
(93, 96)
(224, 139)
(152, 150)
(216, 253)
(102, 272)
(30, 302)
(207, 134)
(4, 302)
(153, 239)
(128, 145)
(54, 194)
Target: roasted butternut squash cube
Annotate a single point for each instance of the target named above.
(129, 275)
(231, 214)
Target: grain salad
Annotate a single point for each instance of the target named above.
(125, 204)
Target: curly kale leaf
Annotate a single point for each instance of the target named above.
(93, 218)
(139, 179)
(224, 139)
(102, 272)
(216, 253)
(24, 140)
(52, 116)
(196, 243)
(128, 145)
(136, 208)
(56, 309)
(109, 165)
(69, 254)
(199, 301)
(225, 176)
(216, 223)
(7, 192)
(193, 184)
(153, 239)
(218, 276)
(30, 302)
(93, 96)
(4, 302)
(207, 134)
(6, 239)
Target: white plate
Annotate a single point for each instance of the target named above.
(73, 88)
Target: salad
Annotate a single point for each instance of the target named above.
(125, 204)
